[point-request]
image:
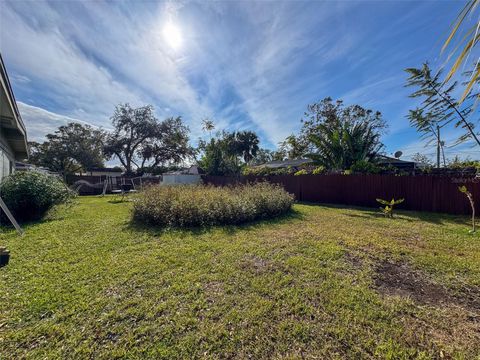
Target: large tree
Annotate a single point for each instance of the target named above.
(138, 139)
(169, 144)
(247, 145)
(338, 136)
(293, 147)
(72, 148)
(224, 154)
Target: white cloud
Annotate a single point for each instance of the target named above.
(40, 122)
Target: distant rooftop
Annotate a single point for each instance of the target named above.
(114, 170)
(286, 163)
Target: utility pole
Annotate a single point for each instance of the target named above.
(438, 146)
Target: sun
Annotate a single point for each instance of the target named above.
(172, 35)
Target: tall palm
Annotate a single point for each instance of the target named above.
(208, 125)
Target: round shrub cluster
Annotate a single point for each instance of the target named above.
(202, 205)
(30, 194)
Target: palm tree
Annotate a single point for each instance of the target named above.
(341, 145)
(468, 41)
(208, 125)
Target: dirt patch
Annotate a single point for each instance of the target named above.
(353, 260)
(398, 278)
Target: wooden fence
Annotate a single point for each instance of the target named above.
(421, 193)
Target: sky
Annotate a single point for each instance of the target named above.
(245, 65)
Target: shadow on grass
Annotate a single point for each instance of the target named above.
(230, 229)
(118, 201)
(399, 214)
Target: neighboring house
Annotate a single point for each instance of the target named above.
(20, 166)
(283, 164)
(112, 172)
(13, 135)
(397, 163)
(184, 176)
(192, 170)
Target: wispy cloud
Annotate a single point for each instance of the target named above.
(246, 65)
(40, 122)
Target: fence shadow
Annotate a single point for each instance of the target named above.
(402, 214)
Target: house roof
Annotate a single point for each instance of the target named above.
(390, 160)
(286, 163)
(112, 170)
(11, 123)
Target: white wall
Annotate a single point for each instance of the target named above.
(181, 179)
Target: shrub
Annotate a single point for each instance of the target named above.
(301, 172)
(30, 194)
(201, 205)
(319, 170)
(365, 167)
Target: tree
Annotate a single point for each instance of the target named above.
(167, 144)
(293, 147)
(217, 158)
(70, 149)
(438, 108)
(223, 155)
(263, 156)
(247, 145)
(208, 125)
(421, 159)
(132, 127)
(140, 140)
(468, 40)
(340, 136)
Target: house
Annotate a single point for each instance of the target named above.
(388, 161)
(283, 164)
(192, 175)
(13, 135)
(111, 172)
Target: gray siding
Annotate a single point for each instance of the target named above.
(6, 159)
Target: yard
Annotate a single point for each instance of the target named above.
(323, 282)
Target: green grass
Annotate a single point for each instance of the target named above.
(88, 284)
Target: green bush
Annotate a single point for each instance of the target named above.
(301, 172)
(201, 205)
(30, 194)
(365, 167)
(318, 170)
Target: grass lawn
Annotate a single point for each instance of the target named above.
(324, 282)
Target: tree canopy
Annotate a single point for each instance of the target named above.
(70, 149)
(338, 136)
(139, 139)
(224, 154)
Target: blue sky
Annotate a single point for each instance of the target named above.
(245, 65)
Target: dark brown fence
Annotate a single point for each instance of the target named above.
(422, 193)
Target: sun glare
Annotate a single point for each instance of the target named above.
(172, 35)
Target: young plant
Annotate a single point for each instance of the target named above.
(463, 189)
(388, 209)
